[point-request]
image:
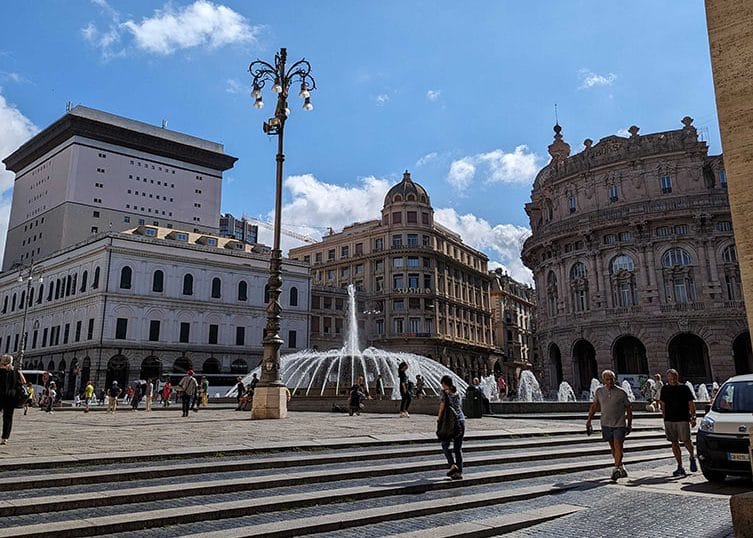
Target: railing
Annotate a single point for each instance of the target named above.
(681, 307)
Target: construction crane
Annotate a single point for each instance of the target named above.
(289, 233)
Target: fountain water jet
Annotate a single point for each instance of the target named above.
(595, 384)
(489, 387)
(329, 373)
(703, 393)
(565, 393)
(627, 387)
(528, 388)
(692, 390)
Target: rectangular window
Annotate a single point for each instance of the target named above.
(90, 329)
(315, 302)
(34, 340)
(318, 257)
(413, 261)
(359, 269)
(154, 330)
(378, 245)
(397, 282)
(723, 226)
(213, 330)
(398, 325)
(379, 283)
(331, 254)
(328, 303)
(380, 326)
(413, 281)
(610, 239)
(397, 217)
(359, 249)
(412, 240)
(623, 236)
(121, 328)
(397, 262)
(572, 203)
(344, 271)
(344, 251)
(292, 339)
(185, 331)
(414, 325)
(666, 184)
(77, 338)
(613, 196)
(681, 229)
(379, 266)
(722, 179)
(66, 333)
(240, 336)
(397, 241)
(95, 214)
(412, 217)
(44, 339)
(424, 218)
(663, 231)
(398, 304)
(338, 303)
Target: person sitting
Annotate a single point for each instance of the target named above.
(355, 400)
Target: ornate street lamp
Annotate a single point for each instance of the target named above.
(26, 274)
(270, 395)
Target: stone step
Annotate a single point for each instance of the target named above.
(171, 470)
(496, 525)
(62, 502)
(78, 460)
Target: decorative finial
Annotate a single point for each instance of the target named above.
(556, 119)
(588, 142)
(687, 121)
(633, 130)
(559, 149)
(406, 176)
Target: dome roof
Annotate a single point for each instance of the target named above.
(405, 188)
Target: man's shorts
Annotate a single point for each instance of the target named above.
(613, 434)
(677, 431)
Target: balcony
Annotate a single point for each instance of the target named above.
(682, 307)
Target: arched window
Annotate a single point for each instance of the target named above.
(125, 278)
(293, 296)
(551, 293)
(242, 291)
(68, 282)
(31, 296)
(75, 282)
(23, 299)
(622, 279)
(57, 289)
(84, 278)
(397, 198)
(216, 288)
(95, 280)
(158, 281)
(188, 284)
(49, 293)
(40, 295)
(677, 271)
(5, 304)
(13, 303)
(729, 254)
(675, 256)
(266, 294)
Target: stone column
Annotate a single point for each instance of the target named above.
(730, 27)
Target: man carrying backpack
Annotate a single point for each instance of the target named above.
(188, 388)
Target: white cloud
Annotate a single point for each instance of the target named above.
(501, 242)
(382, 99)
(623, 132)
(589, 79)
(201, 24)
(518, 166)
(13, 77)
(16, 129)
(433, 95)
(427, 158)
(316, 203)
(233, 86)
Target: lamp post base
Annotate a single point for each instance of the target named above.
(269, 402)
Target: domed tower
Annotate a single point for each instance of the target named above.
(634, 260)
(407, 204)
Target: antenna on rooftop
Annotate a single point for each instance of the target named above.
(68, 106)
(556, 119)
(164, 124)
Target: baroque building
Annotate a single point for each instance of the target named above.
(149, 302)
(92, 171)
(420, 289)
(634, 261)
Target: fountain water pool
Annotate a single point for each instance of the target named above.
(333, 372)
(565, 393)
(528, 388)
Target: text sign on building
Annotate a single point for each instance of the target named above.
(412, 291)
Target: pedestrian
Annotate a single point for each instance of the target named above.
(149, 395)
(10, 381)
(616, 418)
(380, 387)
(678, 410)
(128, 395)
(135, 395)
(167, 390)
(188, 388)
(52, 394)
(102, 394)
(451, 399)
(658, 385)
(355, 399)
(502, 386)
(204, 391)
(240, 390)
(486, 406)
(253, 383)
(88, 395)
(419, 386)
(30, 400)
(405, 389)
(112, 397)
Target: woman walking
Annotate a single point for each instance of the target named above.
(451, 400)
(10, 379)
(402, 372)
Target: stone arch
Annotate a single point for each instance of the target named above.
(555, 364)
(117, 370)
(151, 368)
(742, 353)
(629, 356)
(689, 355)
(239, 366)
(584, 360)
(211, 366)
(182, 364)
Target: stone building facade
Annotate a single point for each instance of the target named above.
(634, 261)
(420, 289)
(91, 172)
(149, 302)
(514, 317)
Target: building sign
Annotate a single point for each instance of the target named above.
(412, 291)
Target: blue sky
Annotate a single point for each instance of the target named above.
(460, 93)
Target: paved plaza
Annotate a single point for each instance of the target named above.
(327, 474)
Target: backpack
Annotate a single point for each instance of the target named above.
(447, 424)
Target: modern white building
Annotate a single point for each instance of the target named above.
(147, 302)
(91, 172)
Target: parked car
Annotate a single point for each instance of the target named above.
(723, 439)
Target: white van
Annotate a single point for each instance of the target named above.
(723, 439)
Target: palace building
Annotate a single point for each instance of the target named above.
(420, 289)
(634, 261)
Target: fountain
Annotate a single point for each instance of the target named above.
(595, 384)
(627, 387)
(528, 388)
(489, 387)
(333, 372)
(703, 393)
(692, 390)
(565, 393)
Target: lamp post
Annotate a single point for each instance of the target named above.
(26, 274)
(270, 395)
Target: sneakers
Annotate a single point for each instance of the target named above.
(679, 472)
(453, 470)
(457, 476)
(3, 441)
(615, 474)
(623, 472)
(693, 466)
